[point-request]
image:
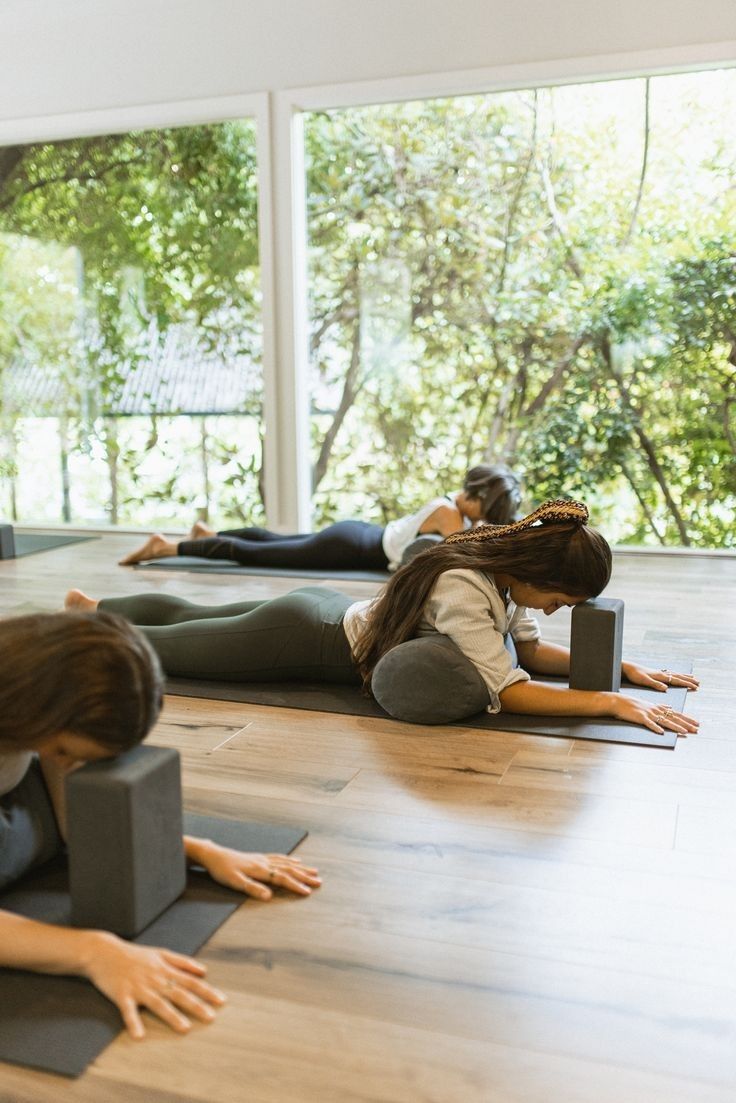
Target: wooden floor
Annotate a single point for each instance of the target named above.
(503, 918)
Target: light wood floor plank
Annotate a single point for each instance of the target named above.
(504, 918)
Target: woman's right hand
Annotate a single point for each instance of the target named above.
(168, 984)
(657, 717)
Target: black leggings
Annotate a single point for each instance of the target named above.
(298, 636)
(347, 545)
(29, 834)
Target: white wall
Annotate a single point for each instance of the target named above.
(59, 56)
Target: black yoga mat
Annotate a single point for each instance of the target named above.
(351, 701)
(60, 1024)
(28, 543)
(227, 566)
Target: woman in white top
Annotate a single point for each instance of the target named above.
(490, 494)
(475, 587)
(77, 688)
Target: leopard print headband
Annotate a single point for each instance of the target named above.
(549, 513)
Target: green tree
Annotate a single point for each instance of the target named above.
(533, 239)
(163, 225)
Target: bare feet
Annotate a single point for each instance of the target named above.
(155, 547)
(78, 602)
(199, 529)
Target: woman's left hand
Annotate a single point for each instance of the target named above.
(658, 679)
(254, 873)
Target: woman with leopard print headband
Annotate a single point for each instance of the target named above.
(475, 587)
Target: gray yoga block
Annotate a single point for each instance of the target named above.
(596, 638)
(7, 542)
(418, 545)
(124, 837)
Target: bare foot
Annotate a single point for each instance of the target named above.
(78, 602)
(155, 547)
(199, 529)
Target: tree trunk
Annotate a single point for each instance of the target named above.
(351, 389)
(643, 169)
(9, 433)
(112, 455)
(205, 468)
(644, 439)
(553, 382)
(66, 506)
(644, 507)
(498, 421)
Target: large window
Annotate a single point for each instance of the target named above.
(130, 328)
(546, 278)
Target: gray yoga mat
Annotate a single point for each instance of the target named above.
(60, 1024)
(28, 543)
(227, 566)
(351, 701)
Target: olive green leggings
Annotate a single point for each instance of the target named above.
(298, 636)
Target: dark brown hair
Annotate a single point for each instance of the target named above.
(92, 674)
(498, 489)
(552, 549)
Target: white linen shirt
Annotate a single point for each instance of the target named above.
(466, 606)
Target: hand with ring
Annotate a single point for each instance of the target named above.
(169, 985)
(658, 718)
(658, 679)
(252, 873)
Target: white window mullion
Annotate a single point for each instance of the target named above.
(287, 472)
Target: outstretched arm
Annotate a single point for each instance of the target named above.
(251, 873)
(540, 657)
(537, 698)
(168, 984)
(657, 679)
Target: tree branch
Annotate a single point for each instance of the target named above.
(10, 158)
(555, 378)
(644, 440)
(352, 386)
(643, 172)
(644, 507)
(727, 430)
(571, 258)
(516, 197)
(66, 178)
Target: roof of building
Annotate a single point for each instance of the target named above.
(172, 375)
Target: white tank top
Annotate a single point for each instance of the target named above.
(398, 534)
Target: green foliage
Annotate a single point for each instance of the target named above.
(106, 240)
(546, 278)
(568, 302)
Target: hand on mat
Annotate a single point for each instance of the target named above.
(658, 718)
(248, 872)
(658, 679)
(169, 985)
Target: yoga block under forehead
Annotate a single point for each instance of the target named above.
(7, 542)
(124, 836)
(596, 637)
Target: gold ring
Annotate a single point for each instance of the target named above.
(668, 678)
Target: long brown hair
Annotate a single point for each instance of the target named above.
(92, 674)
(552, 549)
